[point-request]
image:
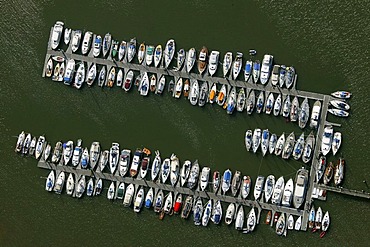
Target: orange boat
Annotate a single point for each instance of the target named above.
(212, 94)
(146, 151)
(268, 218)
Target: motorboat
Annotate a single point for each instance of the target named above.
(153, 83)
(26, 144)
(98, 187)
(203, 94)
(49, 68)
(198, 211)
(161, 84)
(318, 219)
(149, 198)
(122, 50)
(231, 101)
(86, 42)
(260, 102)
(178, 88)
(268, 218)
(91, 74)
(251, 102)
(326, 140)
(226, 181)
(156, 166)
(194, 92)
(337, 140)
(222, 95)
(236, 182)
(303, 114)
(339, 104)
(188, 205)
(339, 172)
(265, 141)
(70, 185)
(111, 191)
(256, 139)
(308, 148)
(57, 154)
(248, 139)
(251, 221)
(107, 41)
(237, 65)
(103, 161)
(194, 175)
(241, 100)
(80, 76)
(325, 224)
(269, 187)
(213, 62)
(256, 70)
(286, 107)
(165, 169)
(329, 171)
(47, 152)
(294, 110)
(282, 75)
(265, 68)
(67, 152)
(341, 94)
(186, 88)
(85, 158)
(246, 187)
(311, 217)
(228, 58)
(111, 77)
(113, 157)
(204, 178)
(97, 46)
(55, 77)
(300, 189)
(290, 222)
(216, 181)
(203, 59)
(131, 50)
(138, 155)
(32, 147)
(158, 201)
(272, 143)
(169, 52)
(320, 168)
(190, 60)
(275, 75)
(175, 169)
(288, 147)
(298, 224)
(338, 113)
(248, 70)
(287, 193)
(230, 214)
(207, 213)
(119, 78)
(68, 74)
(57, 34)
(129, 194)
(315, 115)
(177, 204)
(114, 50)
(171, 88)
(101, 78)
(298, 147)
(139, 200)
(239, 219)
(120, 190)
(128, 80)
(269, 103)
(76, 40)
(81, 185)
(141, 53)
(180, 59)
(50, 181)
(144, 167)
(40, 145)
(90, 187)
(144, 85)
(289, 77)
(94, 154)
(59, 184)
(212, 93)
(217, 212)
(258, 187)
(67, 35)
(157, 55)
(278, 191)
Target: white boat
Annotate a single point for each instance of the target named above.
(158, 201)
(85, 158)
(81, 185)
(144, 85)
(226, 181)
(111, 191)
(230, 214)
(256, 139)
(231, 101)
(251, 221)
(325, 223)
(113, 157)
(190, 59)
(178, 88)
(289, 77)
(169, 52)
(76, 40)
(129, 194)
(57, 154)
(275, 75)
(212, 93)
(216, 181)
(32, 148)
(194, 92)
(308, 148)
(289, 145)
(47, 152)
(24, 147)
(59, 184)
(246, 187)
(40, 145)
(272, 143)
(248, 70)
(282, 75)
(298, 224)
(90, 187)
(141, 53)
(103, 161)
(222, 95)
(156, 166)
(180, 59)
(248, 139)
(50, 181)
(49, 68)
(256, 70)
(278, 191)
(228, 58)
(139, 200)
(97, 45)
(102, 77)
(107, 41)
(175, 169)
(326, 140)
(315, 115)
(280, 225)
(131, 50)
(341, 94)
(86, 42)
(80, 76)
(318, 218)
(98, 187)
(239, 219)
(185, 172)
(157, 55)
(217, 212)
(339, 104)
(57, 34)
(167, 206)
(337, 140)
(294, 110)
(287, 194)
(122, 50)
(203, 94)
(165, 169)
(304, 114)
(77, 153)
(67, 152)
(251, 102)
(198, 211)
(70, 186)
(237, 65)
(300, 189)
(120, 190)
(286, 107)
(266, 68)
(204, 178)
(290, 222)
(338, 113)
(241, 100)
(67, 35)
(265, 141)
(149, 198)
(94, 154)
(311, 217)
(136, 162)
(236, 182)
(128, 80)
(91, 75)
(269, 103)
(124, 161)
(68, 74)
(119, 78)
(269, 187)
(258, 187)
(149, 55)
(193, 176)
(213, 62)
(339, 172)
(207, 213)
(260, 102)
(298, 147)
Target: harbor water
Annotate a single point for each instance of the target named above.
(325, 41)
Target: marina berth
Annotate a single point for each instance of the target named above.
(57, 34)
(266, 68)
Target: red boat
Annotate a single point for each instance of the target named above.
(268, 218)
(178, 203)
(276, 217)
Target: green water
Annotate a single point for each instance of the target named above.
(327, 42)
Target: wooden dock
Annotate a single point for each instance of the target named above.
(344, 191)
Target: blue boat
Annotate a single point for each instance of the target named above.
(226, 180)
(256, 71)
(248, 70)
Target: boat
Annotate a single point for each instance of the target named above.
(76, 40)
(256, 139)
(251, 221)
(288, 193)
(239, 219)
(318, 219)
(175, 169)
(120, 190)
(101, 78)
(248, 139)
(55, 76)
(256, 70)
(141, 53)
(278, 191)
(49, 68)
(300, 189)
(81, 184)
(115, 48)
(186, 88)
(57, 154)
(91, 75)
(212, 93)
(128, 80)
(47, 151)
(67, 35)
(338, 113)
(231, 101)
(57, 34)
(124, 162)
(202, 61)
(59, 184)
(158, 201)
(280, 225)
(339, 104)
(341, 94)
(111, 191)
(111, 77)
(258, 187)
(193, 176)
(188, 205)
(315, 115)
(203, 94)
(194, 92)
(268, 218)
(149, 198)
(90, 187)
(26, 144)
(329, 171)
(339, 172)
(122, 50)
(98, 187)
(97, 46)
(276, 217)
(131, 50)
(265, 68)
(139, 200)
(161, 85)
(248, 70)
(178, 88)
(320, 168)
(304, 114)
(325, 224)
(230, 214)
(103, 161)
(311, 217)
(286, 107)
(246, 187)
(241, 100)
(67, 152)
(40, 145)
(144, 167)
(157, 55)
(204, 178)
(222, 95)
(282, 76)
(86, 42)
(178, 203)
(260, 102)
(77, 152)
(32, 147)
(165, 169)
(80, 76)
(308, 148)
(298, 147)
(135, 162)
(198, 211)
(213, 62)
(180, 59)
(217, 212)
(272, 143)
(337, 140)
(68, 74)
(237, 65)
(275, 75)
(144, 85)
(298, 224)
(94, 154)
(290, 222)
(294, 110)
(107, 41)
(156, 166)
(289, 77)
(50, 180)
(119, 78)
(269, 103)
(70, 185)
(289, 145)
(207, 213)
(190, 60)
(169, 52)
(265, 141)
(326, 140)
(251, 102)
(226, 181)
(216, 181)
(269, 187)
(129, 194)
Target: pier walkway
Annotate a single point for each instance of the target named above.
(344, 191)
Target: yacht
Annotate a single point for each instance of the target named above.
(265, 68)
